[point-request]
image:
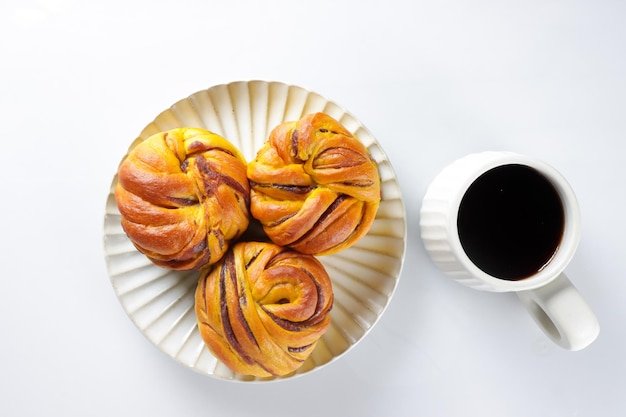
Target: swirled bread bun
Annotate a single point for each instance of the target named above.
(263, 307)
(183, 196)
(314, 186)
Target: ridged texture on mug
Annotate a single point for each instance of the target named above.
(438, 218)
(161, 302)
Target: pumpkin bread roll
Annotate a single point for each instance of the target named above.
(314, 186)
(183, 196)
(263, 307)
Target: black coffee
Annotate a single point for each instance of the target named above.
(511, 221)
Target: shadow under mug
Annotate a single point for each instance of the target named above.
(546, 292)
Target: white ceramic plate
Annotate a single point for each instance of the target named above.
(161, 302)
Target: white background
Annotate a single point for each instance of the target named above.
(432, 80)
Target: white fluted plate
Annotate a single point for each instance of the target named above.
(161, 302)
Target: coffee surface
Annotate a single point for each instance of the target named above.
(511, 221)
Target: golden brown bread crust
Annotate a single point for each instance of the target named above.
(314, 186)
(262, 308)
(183, 195)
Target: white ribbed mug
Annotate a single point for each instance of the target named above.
(548, 295)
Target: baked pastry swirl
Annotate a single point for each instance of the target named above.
(314, 186)
(262, 308)
(183, 196)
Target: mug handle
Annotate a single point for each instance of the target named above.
(562, 313)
